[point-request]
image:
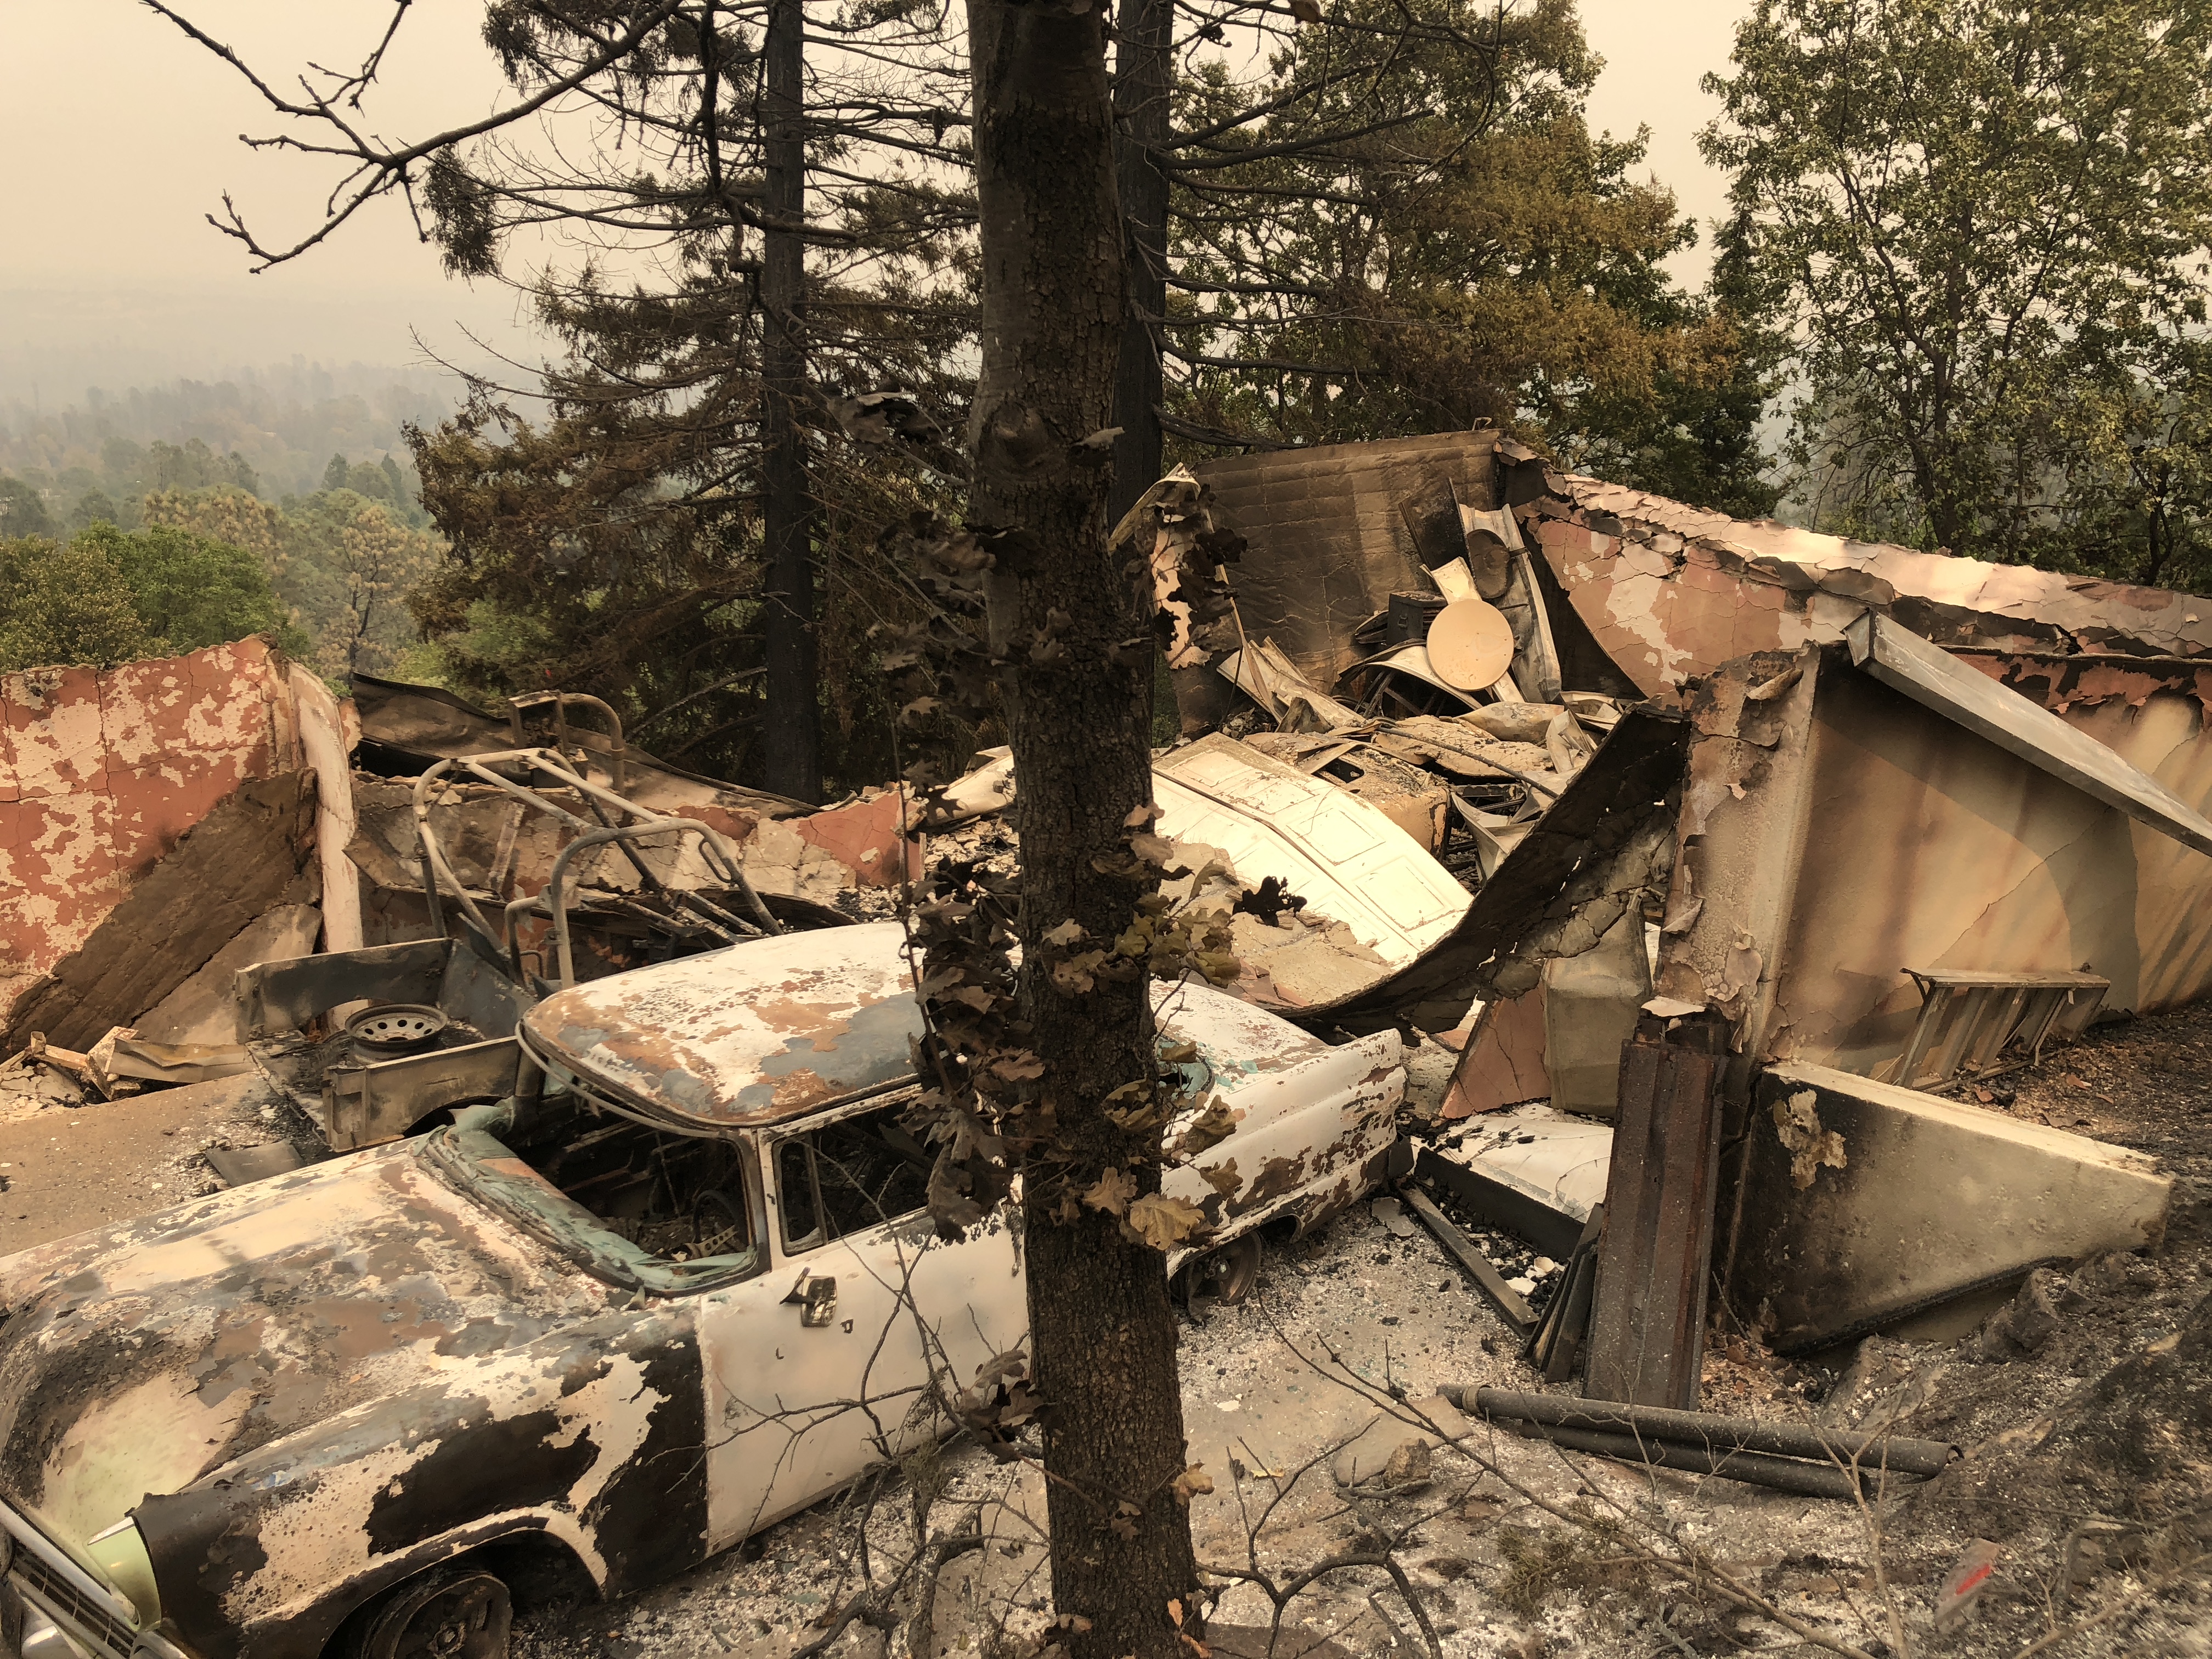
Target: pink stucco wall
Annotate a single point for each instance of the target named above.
(102, 771)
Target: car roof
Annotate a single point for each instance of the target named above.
(776, 1029)
(745, 1036)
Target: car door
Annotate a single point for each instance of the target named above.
(830, 1361)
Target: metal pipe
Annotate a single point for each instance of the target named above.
(430, 889)
(515, 909)
(618, 749)
(479, 769)
(721, 856)
(563, 956)
(1703, 1430)
(434, 867)
(712, 844)
(558, 905)
(1782, 1473)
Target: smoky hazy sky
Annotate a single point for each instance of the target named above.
(120, 135)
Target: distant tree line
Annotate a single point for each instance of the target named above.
(197, 563)
(281, 424)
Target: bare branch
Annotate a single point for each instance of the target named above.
(387, 169)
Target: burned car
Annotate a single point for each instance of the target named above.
(592, 1333)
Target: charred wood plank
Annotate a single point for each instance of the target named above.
(1461, 1249)
(1647, 1327)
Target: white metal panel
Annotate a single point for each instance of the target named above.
(1340, 854)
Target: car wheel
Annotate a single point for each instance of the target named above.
(1227, 1276)
(448, 1613)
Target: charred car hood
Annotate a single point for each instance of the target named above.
(137, 1358)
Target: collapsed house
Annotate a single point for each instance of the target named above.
(1829, 861)
(1703, 865)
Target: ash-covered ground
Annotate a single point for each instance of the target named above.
(2083, 1406)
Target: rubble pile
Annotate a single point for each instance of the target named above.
(1717, 938)
(2020, 1416)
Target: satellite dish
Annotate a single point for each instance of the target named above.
(1470, 645)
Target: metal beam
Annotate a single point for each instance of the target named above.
(1931, 676)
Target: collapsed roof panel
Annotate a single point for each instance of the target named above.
(2152, 714)
(1566, 883)
(1342, 855)
(1672, 592)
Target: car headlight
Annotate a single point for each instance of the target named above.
(120, 1554)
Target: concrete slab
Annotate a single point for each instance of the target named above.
(66, 1170)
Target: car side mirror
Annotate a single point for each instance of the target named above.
(817, 1299)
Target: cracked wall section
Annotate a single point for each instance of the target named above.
(101, 772)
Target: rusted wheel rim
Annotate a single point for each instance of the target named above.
(395, 1026)
(1229, 1274)
(462, 1616)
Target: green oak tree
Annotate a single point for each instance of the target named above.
(190, 590)
(66, 603)
(1982, 225)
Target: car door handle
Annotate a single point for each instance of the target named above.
(817, 1299)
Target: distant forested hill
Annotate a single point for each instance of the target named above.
(292, 482)
(273, 431)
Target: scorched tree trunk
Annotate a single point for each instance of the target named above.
(1075, 624)
(791, 737)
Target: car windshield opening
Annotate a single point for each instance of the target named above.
(645, 1207)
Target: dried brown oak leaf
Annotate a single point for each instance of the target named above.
(1112, 1193)
(1162, 1222)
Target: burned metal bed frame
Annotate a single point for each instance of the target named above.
(440, 881)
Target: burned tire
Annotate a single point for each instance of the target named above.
(1226, 1277)
(447, 1613)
